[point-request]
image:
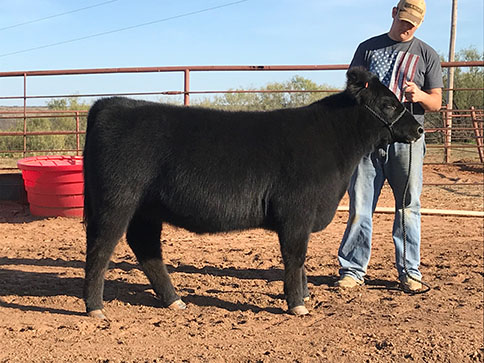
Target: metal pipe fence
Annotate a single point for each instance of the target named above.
(443, 134)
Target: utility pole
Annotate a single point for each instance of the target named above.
(453, 27)
(450, 81)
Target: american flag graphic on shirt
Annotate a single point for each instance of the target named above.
(394, 69)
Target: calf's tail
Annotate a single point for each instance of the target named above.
(89, 147)
(91, 119)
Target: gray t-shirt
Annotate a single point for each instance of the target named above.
(396, 62)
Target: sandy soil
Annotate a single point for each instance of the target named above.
(232, 284)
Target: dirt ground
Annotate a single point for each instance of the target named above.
(232, 284)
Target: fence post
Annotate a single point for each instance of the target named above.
(447, 133)
(25, 115)
(77, 134)
(478, 131)
(186, 98)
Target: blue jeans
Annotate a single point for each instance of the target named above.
(365, 186)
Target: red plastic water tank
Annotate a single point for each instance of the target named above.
(54, 185)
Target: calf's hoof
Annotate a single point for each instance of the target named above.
(299, 310)
(177, 305)
(98, 314)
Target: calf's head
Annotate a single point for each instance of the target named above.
(381, 104)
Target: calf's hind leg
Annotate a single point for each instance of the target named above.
(143, 237)
(102, 237)
(305, 285)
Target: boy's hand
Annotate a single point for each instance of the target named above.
(412, 92)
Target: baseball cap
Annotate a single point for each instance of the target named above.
(412, 11)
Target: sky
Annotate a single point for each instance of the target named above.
(68, 34)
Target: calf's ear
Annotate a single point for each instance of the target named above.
(358, 79)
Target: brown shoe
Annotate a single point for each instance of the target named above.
(410, 284)
(348, 282)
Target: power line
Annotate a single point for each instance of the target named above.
(56, 15)
(124, 29)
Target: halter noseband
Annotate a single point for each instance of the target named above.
(387, 124)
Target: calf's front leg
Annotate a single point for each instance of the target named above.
(293, 250)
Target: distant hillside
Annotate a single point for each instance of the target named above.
(8, 109)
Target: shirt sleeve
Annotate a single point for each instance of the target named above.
(359, 58)
(433, 76)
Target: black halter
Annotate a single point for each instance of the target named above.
(387, 124)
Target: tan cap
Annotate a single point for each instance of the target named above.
(412, 11)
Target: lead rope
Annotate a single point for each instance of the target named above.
(428, 288)
(405, 232)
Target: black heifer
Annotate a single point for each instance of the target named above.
(211, 171)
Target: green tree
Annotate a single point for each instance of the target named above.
(49, 124)
(471, 77)
(275, 95)
(464, 78)
(70, 105)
